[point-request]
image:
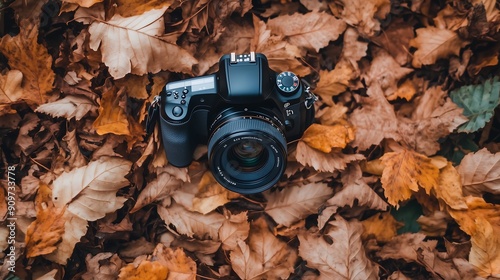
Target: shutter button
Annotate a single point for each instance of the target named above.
(177, 111)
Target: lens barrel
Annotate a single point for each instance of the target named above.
(247, 154)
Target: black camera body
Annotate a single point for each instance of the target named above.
(246, 114)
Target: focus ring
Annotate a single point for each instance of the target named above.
(240, 125)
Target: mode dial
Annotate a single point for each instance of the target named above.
(287, 82)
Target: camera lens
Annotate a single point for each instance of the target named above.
(247, 155)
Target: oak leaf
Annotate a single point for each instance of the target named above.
(89, 192)
(433, 43)
(180, 266)
(69, 107)
(264, 256)
(404, 172)
(192, 223)
(234, 228)
(32, 59)
(46, 231)
(480, 172)
(296, 202)
(134, 45)
(331, 162)
(326, 137)
(344, 258)
(145, 270)
(163, 186)
(312, 30)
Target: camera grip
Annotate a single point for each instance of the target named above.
(178, 143)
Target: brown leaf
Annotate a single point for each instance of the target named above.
(434, 225)
(332, 114)
(163, 186)
(333, 83)
(311, 31)
(134, 45)
(10, 87)
(480, 172)
(71, 106)
(323, 162)
(138, 7)
(180, 266)
(234, 229)
(211, 194)
(192, 223)
(83, 3)
(296, 202)
(449, 188)
(90, 191)
(404, 172)
(264, 256)
(32, 59)
(382, 226)
(395, 39)
(103, 265)
(344, 258)
(135, 86)
(364, 14)
(326, 137)
(46, 231)
(433, 44)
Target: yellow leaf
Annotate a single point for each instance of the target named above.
(485, 251)
(135, 86)
(404, 172)
(433, 43)
(382, 226)
(179, 266)
(46, 231)
(83, 3)
(335, 82)
(211, 194)
(10, 87)
(449, 188)
(129, 8)
(326, 137)
(32, 59)
(145, 270)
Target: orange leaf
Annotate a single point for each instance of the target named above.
(326, 137)
(404, 172)
(145, 270)
(46, 231)
(32, 59)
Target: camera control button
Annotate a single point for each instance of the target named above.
(185, 91)
(288, 124)
(177, 111)
(169, 93)
(176, 96)
(183, 102)
(183, 96)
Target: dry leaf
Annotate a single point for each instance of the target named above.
(129, 8)
(46, 231)
(89, 192)
(395, 39)
(69, 107)
(433, 43)
(449, 188)
(364, 15)
(211, 194)
(480, 172)
(434, 225)
(353, 49)
(234, 229)
(326, 137)
(106, 266)
(404, 172)
(324, 162)
(485, 251)
(32, 59)
(192, 223)
(135, 86)
(161, 187)
(381, 226)
(332, 83)
(311, 31)
(145, 270)
(10, 87)
(134, 45)
(180, 266)
(295, 203)
(325, 256)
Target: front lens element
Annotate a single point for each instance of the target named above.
(249, 155)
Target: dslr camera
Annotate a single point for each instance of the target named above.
(246, 113)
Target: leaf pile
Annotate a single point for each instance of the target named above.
(399, 178)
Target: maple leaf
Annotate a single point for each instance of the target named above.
(478, 102)
(344, 258)
(433, 43)
(234, 229)
(354, 189)
(192, 223)
(32, 59)
(480, 172)
(375, 121)
(404, 172)
(324, 138)
(89, 192)
(297, 202)
(312, 30)
(46, 231)
(134, 45)
(71, 106)
(180, 266)
(363, 14)
(145, 270)
(264, 256)
(163, 186)
(323, 162)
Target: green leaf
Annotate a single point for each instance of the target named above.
(478, 102)
(408, 214)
